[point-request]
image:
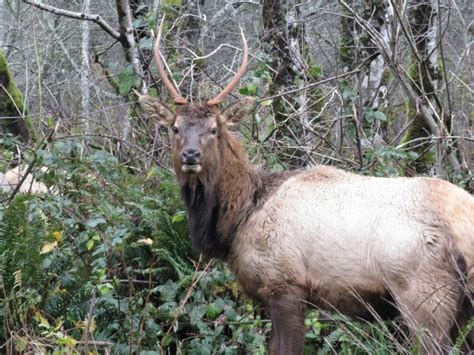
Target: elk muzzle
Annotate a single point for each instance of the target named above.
(191, 160)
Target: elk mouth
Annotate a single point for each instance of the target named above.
(191, 168)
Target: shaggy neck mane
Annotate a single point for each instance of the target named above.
(219, 201)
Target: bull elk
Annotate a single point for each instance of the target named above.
(362, 246)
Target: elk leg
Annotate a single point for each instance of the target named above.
(287, 315)
(428, 303)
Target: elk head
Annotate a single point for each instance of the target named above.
(197, 129)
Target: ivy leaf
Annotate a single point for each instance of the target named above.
(369, 115)
(89, 244)
(249, 90)
(348, 94)
(94, 222)
(138, 23)
(127, 79)
(140, 8)
(380, 116)
(413, 155)
(146, 43)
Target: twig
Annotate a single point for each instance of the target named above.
(196, 277)
(89, 321)
(335, 77)
(76, 15)
(428, 139)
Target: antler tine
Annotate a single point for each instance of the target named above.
(243, 68)
(178, 99)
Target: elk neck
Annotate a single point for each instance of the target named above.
(218, 201)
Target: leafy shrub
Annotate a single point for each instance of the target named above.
(105, 262)
(107, 258)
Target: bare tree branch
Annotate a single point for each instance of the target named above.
(76, 15)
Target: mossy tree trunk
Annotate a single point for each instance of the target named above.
(355, 49)
(284, 35)
(12, 110)
(424, 75)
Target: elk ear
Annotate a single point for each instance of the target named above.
(236, 111)
(156, 110)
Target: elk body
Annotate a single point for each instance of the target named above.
(359, 245)
(13, 177)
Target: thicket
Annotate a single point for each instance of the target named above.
(103, 264)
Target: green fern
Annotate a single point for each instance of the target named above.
(20, 263)
(20, 244)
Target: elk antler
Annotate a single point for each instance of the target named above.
(178, 99)
(243, 68)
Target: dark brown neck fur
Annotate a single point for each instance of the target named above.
(220, 201)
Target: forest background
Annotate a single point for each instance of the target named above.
(101, 261)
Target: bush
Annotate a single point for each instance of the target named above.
(107, 258)
(106, 262)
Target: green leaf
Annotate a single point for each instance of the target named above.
(138, 23)
(311, 335)
(230, 313)
(315, 71)
(173, 2)
(105, 289)
(46, 157)
(42, 322)
(213, 311)
(249, 90)
(349, 94)
(146, 43)
(178, 217)
(68, 341)
(369, 115)
(20, 344)
(413, 155)
(94, 222)
(89, 244)
(140, 8)
(127, 79)
(380, 116)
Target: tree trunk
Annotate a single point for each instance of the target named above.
(356, 48)
(127, 39)
(424, 75)
(3, 22)
(284, 30)
(12, 109)
(85, 69)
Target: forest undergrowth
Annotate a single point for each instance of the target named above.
(103, 264)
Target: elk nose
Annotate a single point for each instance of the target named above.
(191, 156)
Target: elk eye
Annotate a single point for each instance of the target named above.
(175, 130)
(214, 130)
